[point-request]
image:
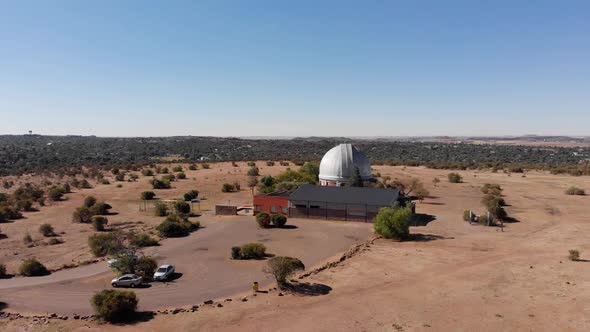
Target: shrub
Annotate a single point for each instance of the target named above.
(148, 195)
(181, 176)
(27, 239)
(236, 186)
(98, 222)
(3, 271)
(177, 168)
(189, 196)
(160, 184)
(284, 163)
(206, 166)
(175, 226)
(263, 220)
(227, 188)
(483, 219)
(56, 193)
(251, 163)
(32, 268)
(104, 181)
(455, 178)
(281, 268)
(89, 201)
(182, 207)
(55, 240)
(100, 208)
(82, 215)
(236, 253)
(393, 223)
(105, 244)
(253, 171)
(574, 255)
(270, 163)
(278, 220)
(575, 191)
(145, 267)
(129, 263)
(147, 172)
(46, 230)
(192, 167)
(120, 177)
(491, 189)
(160, 209)
(253, 251)
(114, 305)
(143, 240)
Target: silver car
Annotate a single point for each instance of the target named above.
(127, 280)
(164, 272)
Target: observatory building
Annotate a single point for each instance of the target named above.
(339, 163)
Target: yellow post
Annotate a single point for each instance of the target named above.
(255, 286)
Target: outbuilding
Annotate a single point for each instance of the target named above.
(326, 202)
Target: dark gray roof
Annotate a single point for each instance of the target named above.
(348, 195)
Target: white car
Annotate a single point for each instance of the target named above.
(164, 272)
(127, 280)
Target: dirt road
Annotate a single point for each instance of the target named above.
(202, 259)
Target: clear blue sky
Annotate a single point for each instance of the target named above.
(295, 68)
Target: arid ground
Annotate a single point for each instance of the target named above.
(457, 277)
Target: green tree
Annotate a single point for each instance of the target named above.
(393, 222)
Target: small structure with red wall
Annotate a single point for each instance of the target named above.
(273, 203)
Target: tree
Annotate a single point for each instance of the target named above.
(356, 179)
(98, 222)
(114, 305)
(282, 267)
(189, 196)
(160, 209)
(252, 182)
(182, 207)
(89, 201)
(393, 222)
(56, 193)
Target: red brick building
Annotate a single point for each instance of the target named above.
(273, 203)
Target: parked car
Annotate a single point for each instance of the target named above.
(127, 280)
(164, 272)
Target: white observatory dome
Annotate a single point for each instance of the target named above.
(338, 164)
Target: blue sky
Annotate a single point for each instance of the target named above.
(295, 68)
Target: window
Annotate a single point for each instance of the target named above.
(285, 210)
(273, 209)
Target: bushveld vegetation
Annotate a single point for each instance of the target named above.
(32, 268)
(147, 195)
(142, 240)
(26, 154)
(278, 220)
(91, 207)
(290, 179)
(281, 268)
(393, 222)
(176, 226)
(575, 191)
(263, 220)
(249, 251)
(105, 244)
(455, 178)
(573, 255)
(114, 305)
